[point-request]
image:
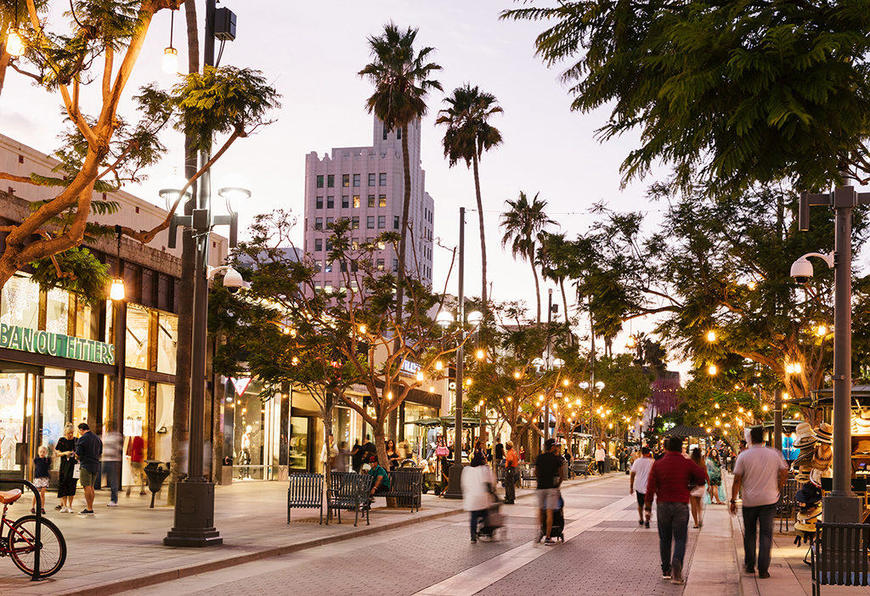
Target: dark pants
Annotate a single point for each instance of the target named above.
(673, 524)
(112, 474)
(763, 516)
(510, 485)
(476, 518)
(600, 467)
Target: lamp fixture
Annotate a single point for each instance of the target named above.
(116, 291)
(170, 54)
(14, 41)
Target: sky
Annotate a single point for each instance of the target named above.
(311, 52)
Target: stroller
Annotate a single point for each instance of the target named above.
(492, 522)
(557, 530)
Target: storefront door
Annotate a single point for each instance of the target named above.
(16, 399)
(54, 391)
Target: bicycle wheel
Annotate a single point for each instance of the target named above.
(22, 546)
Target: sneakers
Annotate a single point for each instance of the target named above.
(646, 524)
(666, 575)
(677, 572)
(111, 504)
(763, 574)
(749, 570)
(474, 539)
(86, 512)
(67, 510)
(640, 522)
(549, 542)
(59, 508)
(539, 537)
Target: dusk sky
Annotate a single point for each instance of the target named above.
(312, 52)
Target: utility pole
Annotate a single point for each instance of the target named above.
(454, 485)
(841, 505)
(547, 366)
(777, 420)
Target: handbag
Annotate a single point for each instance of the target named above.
(77, 471)
(698, 491)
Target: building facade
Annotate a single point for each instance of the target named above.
(366, 186)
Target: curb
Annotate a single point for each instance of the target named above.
(231, 561)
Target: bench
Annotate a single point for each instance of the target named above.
(305, 492)
(839, 555)
(580, 466)
(349, 491)
(786, 506)
(406, 487)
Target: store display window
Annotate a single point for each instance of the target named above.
(138, 332)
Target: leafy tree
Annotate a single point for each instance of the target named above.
(401, 77)
(729, 93)
(558, 261)
(95, 53)
(468, 135)
(288, 331)
(523, 223)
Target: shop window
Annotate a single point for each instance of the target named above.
(163, 422)
(298, 443)
(13, 393)
(54, 396)
(19, 302)
(81, 385)
(135, 417)
(85, 318)
(57, 311)
(167, 340)
(138, 336)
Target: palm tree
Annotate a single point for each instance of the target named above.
(468, 135)
(401, 79)
(523, 222)
(556, 257)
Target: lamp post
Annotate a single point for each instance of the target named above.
(841, 505)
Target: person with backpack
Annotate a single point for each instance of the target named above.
(550, 474)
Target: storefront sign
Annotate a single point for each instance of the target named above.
(410, 367)
(25, 339)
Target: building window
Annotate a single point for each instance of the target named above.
(354, 222)
(399, 133)
(356, 201)
(382, 179)
(395, 222)
(345, 180)
(386, 132)
(372, 179)
(370, 222)
(318, 244)
(318, 203)
(354, 266)
(328, 244)
(320, 181)
(380, 264)
(329, 221)
(318, 223)
(382, 200)
(330, 202)
(167, 337)
(328, 268)
(382, 222)
(345, 201)
(356, 180)
(330, 180)
(371, 200)
(342, 266)
(395, 265)
(138, 333)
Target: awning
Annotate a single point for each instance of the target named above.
(681, 430)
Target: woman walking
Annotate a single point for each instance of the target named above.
(697, 492)
(714, 474)
(66, 489)
(478, 485)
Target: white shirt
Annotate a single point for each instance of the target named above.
(759, 465)
(640, 468)
(599, 454)
(475, 492)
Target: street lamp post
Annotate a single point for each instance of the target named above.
(454, 485)
(841, 505)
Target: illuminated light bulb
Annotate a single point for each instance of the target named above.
(480, 403)
(785, 395)
(14, 44)
(244, 410)
(821, 330)
(610, 425)
(468, 382)
(480, 354)
(712, 370)
(751, 285)
(764, 408)
(431, 388)
(439, 365)
(363, 329)
(708, 430)
(740, 410)
(389, 395)
(509, 399)
(711, 336)
(631, 342)
(797, 368)
(116, 292)
(517, 374)
(294, 361)
(419, 376)
(170, 60)
(716, 405)
(718, 423)
(292, 332)
(566, 383)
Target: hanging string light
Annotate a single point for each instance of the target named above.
(170, 54)
(14, 40)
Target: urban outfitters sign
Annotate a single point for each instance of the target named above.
(55, 344)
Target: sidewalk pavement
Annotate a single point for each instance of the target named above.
(121, 548)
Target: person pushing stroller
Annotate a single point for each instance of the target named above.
(478, 494)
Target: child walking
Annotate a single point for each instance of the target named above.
(41, 464)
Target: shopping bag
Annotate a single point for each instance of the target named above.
(77, 471)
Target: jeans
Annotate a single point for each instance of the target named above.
(510, 485)
(673, 525)
(112, 473)
(476, 517)
(763, 516)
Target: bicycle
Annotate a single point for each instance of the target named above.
(20, 542)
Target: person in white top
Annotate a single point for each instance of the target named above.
(478, 483)
(638, 479)
(760, 471)
(600, 454)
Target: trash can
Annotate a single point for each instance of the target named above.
(156, 472)
(227, 471)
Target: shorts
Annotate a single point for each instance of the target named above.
(86, 477)
(40, 482)
(641, 498)
(548, 498)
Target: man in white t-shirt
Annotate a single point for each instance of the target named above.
(637, 481)
(600, 454)
(760, 471)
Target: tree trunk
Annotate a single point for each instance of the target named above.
(380, 438)
(181, 405)
(5, 57)
(403, 240)
(564, 300)
(483, 293)
(537, 286)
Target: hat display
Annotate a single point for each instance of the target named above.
(825, 433)
(804, 526)
(804, 458)
(809, 494)
(803, 431)
(863, 447)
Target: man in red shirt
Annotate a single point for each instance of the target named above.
(669, 478)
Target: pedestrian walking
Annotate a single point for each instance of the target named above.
(714, 473)
(478, 485)
(600, 455)
(89, 448)
(760, 472)
(637, 481)
(66, 482)
(356, 456)
(669, 480)
(550, 474)
(136, 453)
(112, 446)
(696, 493)
(340, 462)
(41, 465)
(511, 465)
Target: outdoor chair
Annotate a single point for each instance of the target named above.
(305, 492)
(839, 555)
(786, 506)
(406, 487)
(349, 491)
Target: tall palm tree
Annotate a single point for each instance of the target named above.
(400, 76)
(523, 222)
(556, 257)
(468, 135)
